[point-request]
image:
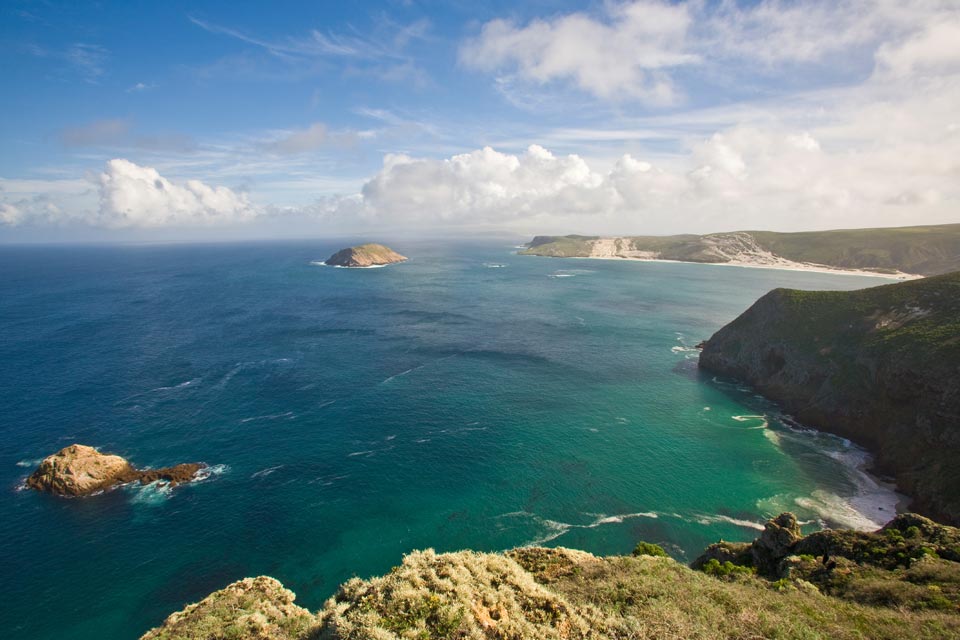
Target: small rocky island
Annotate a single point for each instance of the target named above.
(364, 255)
(79, 470)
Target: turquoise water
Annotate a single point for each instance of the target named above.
(350, 416)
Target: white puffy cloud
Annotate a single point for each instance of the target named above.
(620, 56)
(10, 214)
(932, 50)
(484, 186)
(136, 196)
(634, 50)
(770, 177)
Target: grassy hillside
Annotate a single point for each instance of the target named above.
(926, 250)
(537, 593)
(880, 366)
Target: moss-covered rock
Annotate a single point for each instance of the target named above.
(250, 609)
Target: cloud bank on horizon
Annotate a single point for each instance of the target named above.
(631, 117)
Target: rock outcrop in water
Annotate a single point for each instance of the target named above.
(880, 366)
(364, 255)
(79, 470)
(901, 581)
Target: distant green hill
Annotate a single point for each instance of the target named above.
(880, 366)
(925, 250)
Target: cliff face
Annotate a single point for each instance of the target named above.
(880, 366)
(365, 255)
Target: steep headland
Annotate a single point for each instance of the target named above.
(79, 470)
(924, 250)
(880, 366)
(364, 255)
(901, 581)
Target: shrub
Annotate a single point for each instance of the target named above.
(649, 549)
(725, 570)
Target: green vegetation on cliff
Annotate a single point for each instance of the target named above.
(880, 366)
(536, 593)
(923, 250)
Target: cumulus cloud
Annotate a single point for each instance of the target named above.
(741, 177)
(635, 50)
(484, 186)
(136, 196)
(10, 214)
(621, 55)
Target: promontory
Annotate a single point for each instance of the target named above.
(364, 255)
(880, 366)
(79, 470)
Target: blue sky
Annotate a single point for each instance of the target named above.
(146, 120)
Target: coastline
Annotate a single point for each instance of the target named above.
(786, 266)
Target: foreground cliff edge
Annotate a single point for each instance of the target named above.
(79, 470)
(364, 255)
(880, 366)
(901, 581)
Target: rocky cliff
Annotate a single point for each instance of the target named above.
(79, 470)
(364, 255)
(880, 366)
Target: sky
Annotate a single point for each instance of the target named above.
(146, 120)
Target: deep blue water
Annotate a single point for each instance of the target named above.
(351, 416)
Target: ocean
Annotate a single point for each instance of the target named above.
(469, 398)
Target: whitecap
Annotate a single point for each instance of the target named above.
(369, 452)
(321, 263)
(152, 494)
(209, 472)
(617, 519)
(289, 415)
(263, 473)
(714, 519)
(850, 513)
(29, 463)
(182, 385)
(554, 529)
(764, 423)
